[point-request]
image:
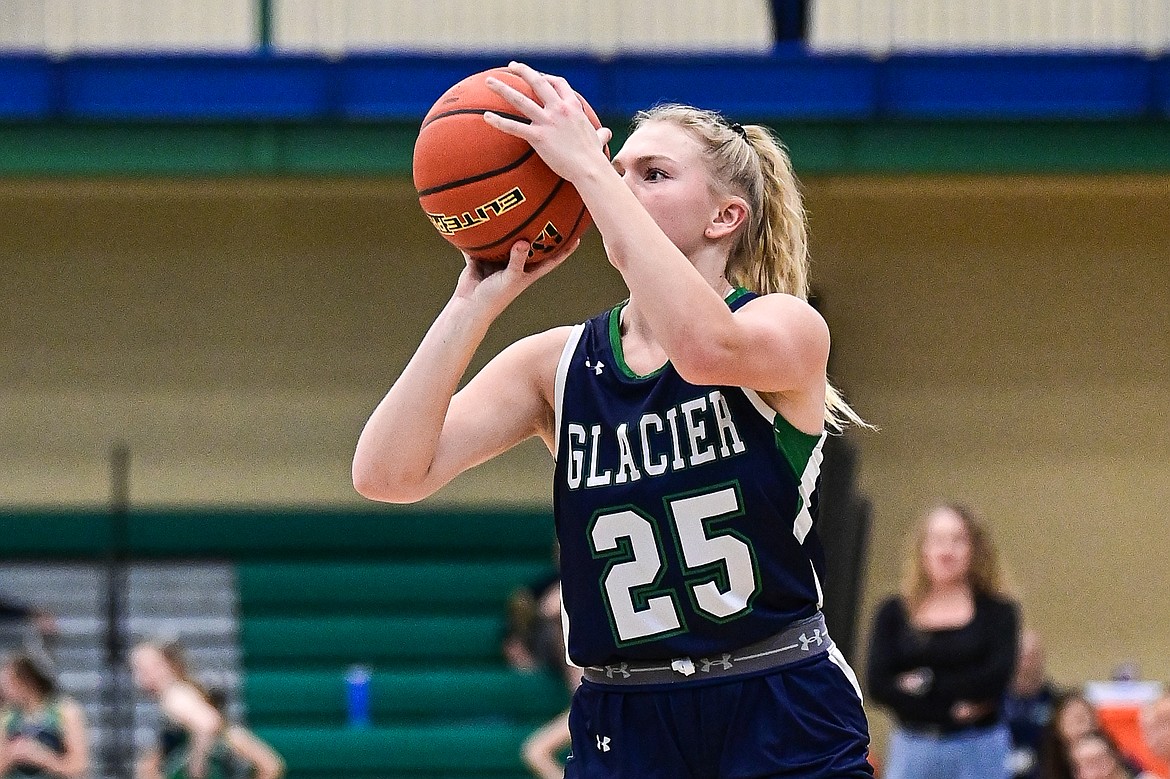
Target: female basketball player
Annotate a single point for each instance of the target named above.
(189, 744)
(686, 426)
(44, 734)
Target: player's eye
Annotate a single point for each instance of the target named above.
(655, 174)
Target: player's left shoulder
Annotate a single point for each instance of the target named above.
(781, 304)
(799, 324)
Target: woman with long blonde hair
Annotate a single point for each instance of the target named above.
(942, 653)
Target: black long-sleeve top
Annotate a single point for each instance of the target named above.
(972, 663)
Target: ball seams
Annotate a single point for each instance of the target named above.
(523, 158)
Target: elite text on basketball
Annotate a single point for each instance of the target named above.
(450, 224)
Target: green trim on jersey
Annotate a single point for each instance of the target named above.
(797, 445)
(735, 295)
(14, 720)
(615, 337)
(615, 343)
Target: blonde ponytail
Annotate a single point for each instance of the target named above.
(771, 253)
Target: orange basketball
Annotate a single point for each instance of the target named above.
(483, 189)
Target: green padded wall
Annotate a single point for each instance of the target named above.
(267, 533)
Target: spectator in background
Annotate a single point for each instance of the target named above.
(190, 745)
(44, 733)
(253, 756)
(12, 617)
(43, 621)
(1156, 731)
(1028, 708)
(542, 748)
(1096, 756)
(1073, 718)
(942, 654)
(533, 641)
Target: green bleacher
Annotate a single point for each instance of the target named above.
(426, 613)
(418, 596)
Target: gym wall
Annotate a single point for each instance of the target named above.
(1007, 334)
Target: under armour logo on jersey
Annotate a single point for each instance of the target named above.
(818, 637)
(596, 367)
(724, 663)
(603, 743)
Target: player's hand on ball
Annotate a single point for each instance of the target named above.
(559, 129)
(495, 285)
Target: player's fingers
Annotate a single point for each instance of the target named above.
(474, 269)
(540, 84)
(509, 126)
(563, 90)
(605, 135)
(523, 103)
(521, 251)
(541, 267)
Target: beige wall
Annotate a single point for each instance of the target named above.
(1009, 336)
(1012, 339)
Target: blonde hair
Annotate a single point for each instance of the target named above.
(985, 576)
(174, 654)
(771, 253)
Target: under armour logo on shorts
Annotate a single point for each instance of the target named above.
(817, 638)
(724, 663)
(603, 743)
(620, 668)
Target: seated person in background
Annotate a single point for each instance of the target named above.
(44, 733)
(1073, 718)
(256, 758)
(1028, 707)
(527, 645)
(542, 748)
(1096, 756)
(1156, 731)
(44, 622)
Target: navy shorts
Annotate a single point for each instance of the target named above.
(802, 721)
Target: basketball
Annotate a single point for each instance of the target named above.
(483, 189)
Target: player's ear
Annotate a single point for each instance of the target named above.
(729, 218)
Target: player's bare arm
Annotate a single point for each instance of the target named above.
(776, 344)
(423, 433)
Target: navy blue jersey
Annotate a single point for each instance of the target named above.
(684, 513)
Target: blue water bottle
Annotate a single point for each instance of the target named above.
(357, 696)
